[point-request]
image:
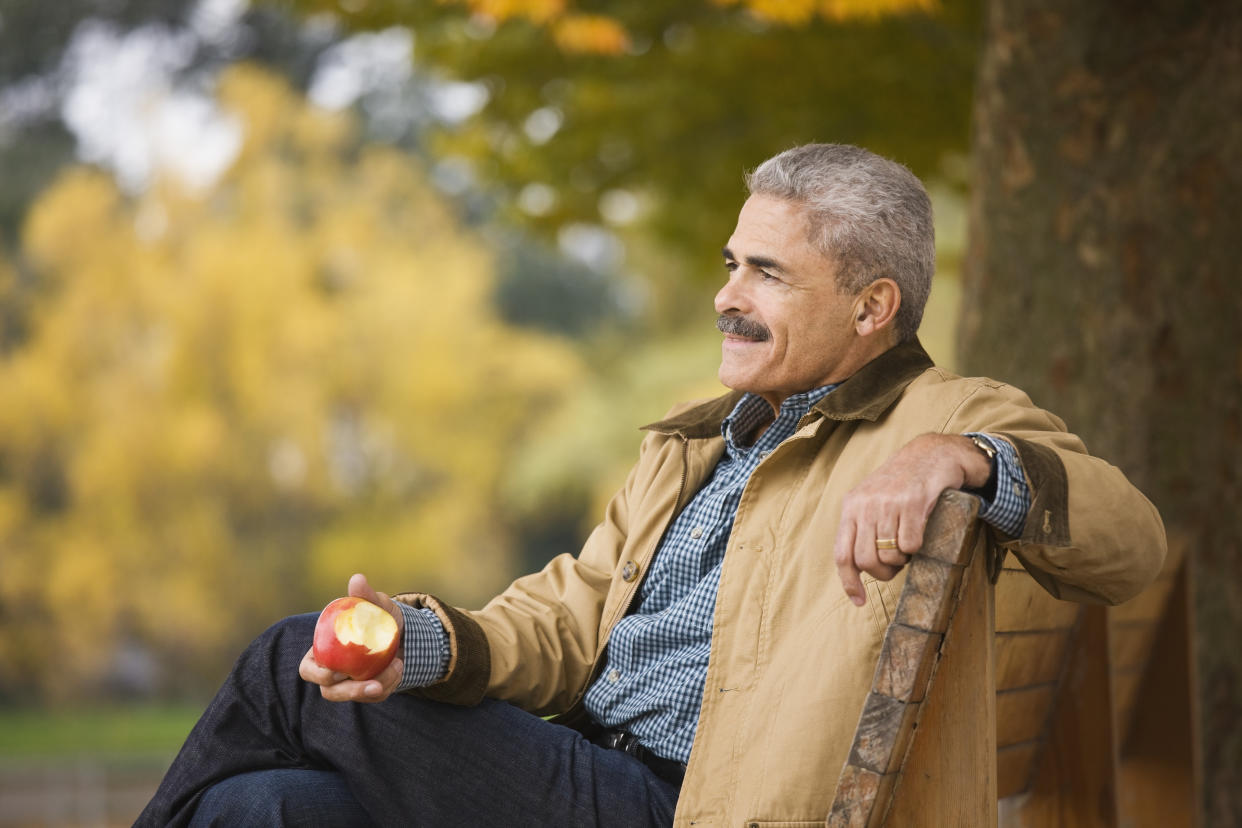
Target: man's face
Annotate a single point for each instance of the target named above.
(787, 328)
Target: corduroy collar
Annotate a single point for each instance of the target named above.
(864, 396)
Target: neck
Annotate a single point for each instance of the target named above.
(861, 351)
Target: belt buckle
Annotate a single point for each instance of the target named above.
(624, 742)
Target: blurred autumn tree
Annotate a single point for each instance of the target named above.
(625, 127)
(641, 116)
(40, 45)
(225, 404)
(315, 366)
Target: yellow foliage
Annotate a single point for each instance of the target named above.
(864, 9)
(235, 401)
(790, 12)
(578, 32)
(538, 11)
(590, 34)
(84, 200)
(800, 12)
(600, 34)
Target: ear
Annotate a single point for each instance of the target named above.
(876, 306)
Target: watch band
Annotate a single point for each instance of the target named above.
(985, 447)
(988, 490)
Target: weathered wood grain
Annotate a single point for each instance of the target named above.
(1014, 764)
(909, 654)
(1156, 784)
(951, 529)
(1021, 714)
(949, 774)
(905, 663)
(883, 726)
(927, 582)
(1075, 784)
(1024, 659)
(857, 791)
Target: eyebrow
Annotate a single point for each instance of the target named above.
(762, 262)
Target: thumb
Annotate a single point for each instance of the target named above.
(359, 587)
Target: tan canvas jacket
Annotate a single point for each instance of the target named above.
(791, 657)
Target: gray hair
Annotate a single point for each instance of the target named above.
(869, 215)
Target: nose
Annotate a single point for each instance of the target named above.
(732, 297)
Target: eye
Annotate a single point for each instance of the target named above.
(768, 277)
(730, 266)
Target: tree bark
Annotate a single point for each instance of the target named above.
(1103, 278)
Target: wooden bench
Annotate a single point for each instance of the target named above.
(995, 703)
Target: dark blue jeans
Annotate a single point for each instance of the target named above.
(270, 751)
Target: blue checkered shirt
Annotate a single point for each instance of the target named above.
(656, 661)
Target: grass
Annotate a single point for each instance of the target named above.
(97, 731)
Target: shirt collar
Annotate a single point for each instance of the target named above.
(752, 411)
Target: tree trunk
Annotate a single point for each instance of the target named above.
(1102, 278)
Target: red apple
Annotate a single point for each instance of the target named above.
(355, 637)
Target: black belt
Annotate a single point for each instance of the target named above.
(670, 771)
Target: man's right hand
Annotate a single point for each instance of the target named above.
(335, 686)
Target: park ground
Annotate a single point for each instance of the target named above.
(85, 767)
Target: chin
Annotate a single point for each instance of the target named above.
(739, 381)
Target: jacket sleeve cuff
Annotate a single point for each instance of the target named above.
(469, 662)
(1047, 522)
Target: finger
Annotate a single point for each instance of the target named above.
(382, 686)
(382, 599)
(883, 572)
(843, 554)
(893, 557)
(392, 674)
(359, 587)
(864, 548)
(349, 690)
(913, 520)
(374, 689)
(388, 679)
(310, 670)
(890, 557)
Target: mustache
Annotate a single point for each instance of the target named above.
(741, 326)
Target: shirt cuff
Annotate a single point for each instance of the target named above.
(1007, 508)
(424, 648)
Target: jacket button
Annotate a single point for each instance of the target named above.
(629, 572)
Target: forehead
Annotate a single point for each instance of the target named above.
(778, 229)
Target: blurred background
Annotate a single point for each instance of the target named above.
(300, 288)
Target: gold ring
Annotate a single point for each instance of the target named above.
(885, 543)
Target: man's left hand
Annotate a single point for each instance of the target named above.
(894, 502)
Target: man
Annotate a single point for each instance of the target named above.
(711, 645)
